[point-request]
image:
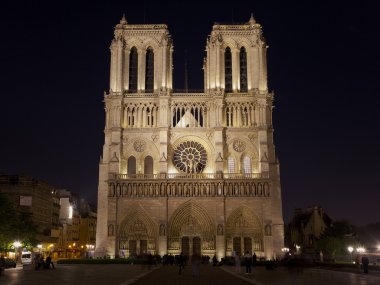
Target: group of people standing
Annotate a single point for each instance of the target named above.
(249, 261)
(41, 263)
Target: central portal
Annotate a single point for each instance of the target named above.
(191, 246)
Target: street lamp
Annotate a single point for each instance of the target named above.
(16, 245)
(350, 250)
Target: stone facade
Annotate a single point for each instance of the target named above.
(191, 172)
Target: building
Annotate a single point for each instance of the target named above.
(187, 171)
(306, 228)
(78, 220)
(36, 197)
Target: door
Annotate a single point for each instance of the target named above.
(248, 244)
(143, 246)
(185, 246)
(197, 246)
(132, 248)
(237, 245)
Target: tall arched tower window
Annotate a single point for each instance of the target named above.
(228, 70)
(133, 63)
(149, 70)
(247, 168)
(231, 164)
(243, 70)
(131, 165)
(148, 165)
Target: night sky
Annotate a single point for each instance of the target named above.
(323, 65)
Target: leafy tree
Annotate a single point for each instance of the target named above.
(15, 225)
(335, 239)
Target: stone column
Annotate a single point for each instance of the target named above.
(126, 69)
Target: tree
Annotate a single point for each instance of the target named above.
(335, 239)
(15, 225)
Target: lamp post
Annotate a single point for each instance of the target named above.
(16, 245)
(350, 250)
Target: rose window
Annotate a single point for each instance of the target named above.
(190, 157)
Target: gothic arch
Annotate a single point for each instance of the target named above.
(191, 219)
(229, 42)
(244, 222)
(137, 224)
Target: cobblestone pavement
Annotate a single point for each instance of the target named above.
(309, 276)
(208, 275)
(79, 274)
(121, 274)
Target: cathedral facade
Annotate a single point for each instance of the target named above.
(191, 172)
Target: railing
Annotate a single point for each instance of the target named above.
(188, 90)
(116, 176)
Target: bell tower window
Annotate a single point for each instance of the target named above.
(149, 70)
(243, 70)
(228, 70)
(133, 70)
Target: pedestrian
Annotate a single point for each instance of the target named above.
(365, 262)
(254, 259)
(2, 264)
(181, 263)
(248, 262)
(214, 261)
(49, 263)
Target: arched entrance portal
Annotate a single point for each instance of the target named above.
(191, 231)
(243, 232)
(138, 234)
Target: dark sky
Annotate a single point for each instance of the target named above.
(324, 68)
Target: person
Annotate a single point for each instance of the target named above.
(254, 259)
(237, 263)
(248, 262)
(181, 263)
(365, 262)
(49, 263)
(2, 264)
(214, 261)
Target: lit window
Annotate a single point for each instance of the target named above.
(247, 165)
(231, 164)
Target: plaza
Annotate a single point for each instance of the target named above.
(121, 274)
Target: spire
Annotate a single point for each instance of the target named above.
(252, 20)
(123, 20)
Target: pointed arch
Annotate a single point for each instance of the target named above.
(231, 166)
(243, 70)
(148, 165)
(149, 70)
(138, 225)
(191, 218)
(246, 164)
(131, 165)
(243, 223)
(228, 69)
(133, 69)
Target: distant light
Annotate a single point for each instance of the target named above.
(378, 247)
(285, 249)
(17, 244)
(70, 212)
(350, 249)
(39, 246)
(360, 249)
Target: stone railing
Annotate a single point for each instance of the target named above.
(183, 188)
(116, 176)
(188, 185)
